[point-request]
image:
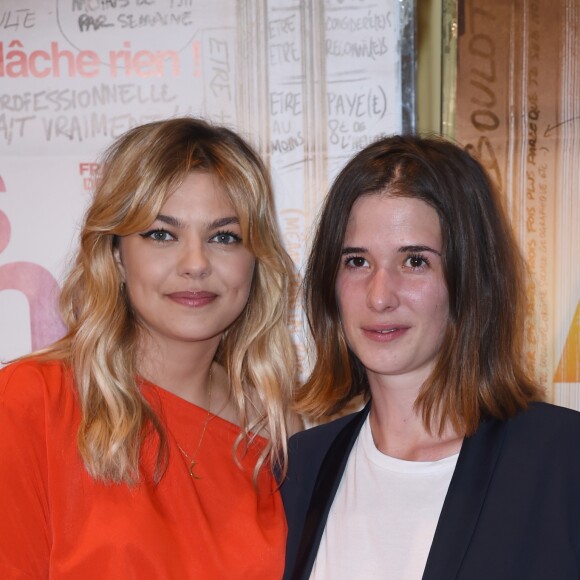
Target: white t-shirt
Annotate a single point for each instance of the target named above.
(384, 515)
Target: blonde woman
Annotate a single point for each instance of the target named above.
(142, 444)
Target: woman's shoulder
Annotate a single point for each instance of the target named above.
(556, 417)
(545, 429)
(35, 366)
(325, 430)
(316, 440)
(33, 378)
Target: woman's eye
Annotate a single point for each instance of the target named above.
(226, 238)
(355, 262)
(158, 235)
(415, 262)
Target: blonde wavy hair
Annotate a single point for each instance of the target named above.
(138, 173)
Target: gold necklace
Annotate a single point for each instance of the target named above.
(192, 461)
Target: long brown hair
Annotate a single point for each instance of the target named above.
(480, 370)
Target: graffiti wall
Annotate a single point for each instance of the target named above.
(308, 83)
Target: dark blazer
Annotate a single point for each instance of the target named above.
(512, 511)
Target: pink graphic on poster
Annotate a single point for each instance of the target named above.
(40, 289)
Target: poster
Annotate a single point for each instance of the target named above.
(308, 83)
(512, 77)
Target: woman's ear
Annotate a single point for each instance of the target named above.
(119, 262)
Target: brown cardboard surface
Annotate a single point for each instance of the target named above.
(518, 109)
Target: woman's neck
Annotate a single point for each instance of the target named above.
(180, 368)
(399, 430)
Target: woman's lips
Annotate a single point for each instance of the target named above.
(384, 333)
(193, 299)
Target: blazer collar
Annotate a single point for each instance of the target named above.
(461, 508)
(329, 476)
(464, 500)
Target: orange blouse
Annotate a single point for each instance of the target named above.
(57, 522)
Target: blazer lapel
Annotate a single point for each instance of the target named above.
(463, 502)
(323, 494)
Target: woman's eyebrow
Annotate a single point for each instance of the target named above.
(170, 221)
(225, 221)
(353, 250)
(177, 223)
(417, 249)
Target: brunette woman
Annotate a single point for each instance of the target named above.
(415, 298)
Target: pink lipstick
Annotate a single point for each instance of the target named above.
(193, 299)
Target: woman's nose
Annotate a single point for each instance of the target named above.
(382, 290)
(193, 260)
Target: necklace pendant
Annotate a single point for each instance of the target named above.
(193, 462)
(192, 472)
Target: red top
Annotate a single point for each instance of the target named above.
(56, 521)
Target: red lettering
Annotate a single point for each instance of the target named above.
(143, 60)
(56, 57)
(87, 63)
(34, 56)
(57, 62)
(88, 168)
